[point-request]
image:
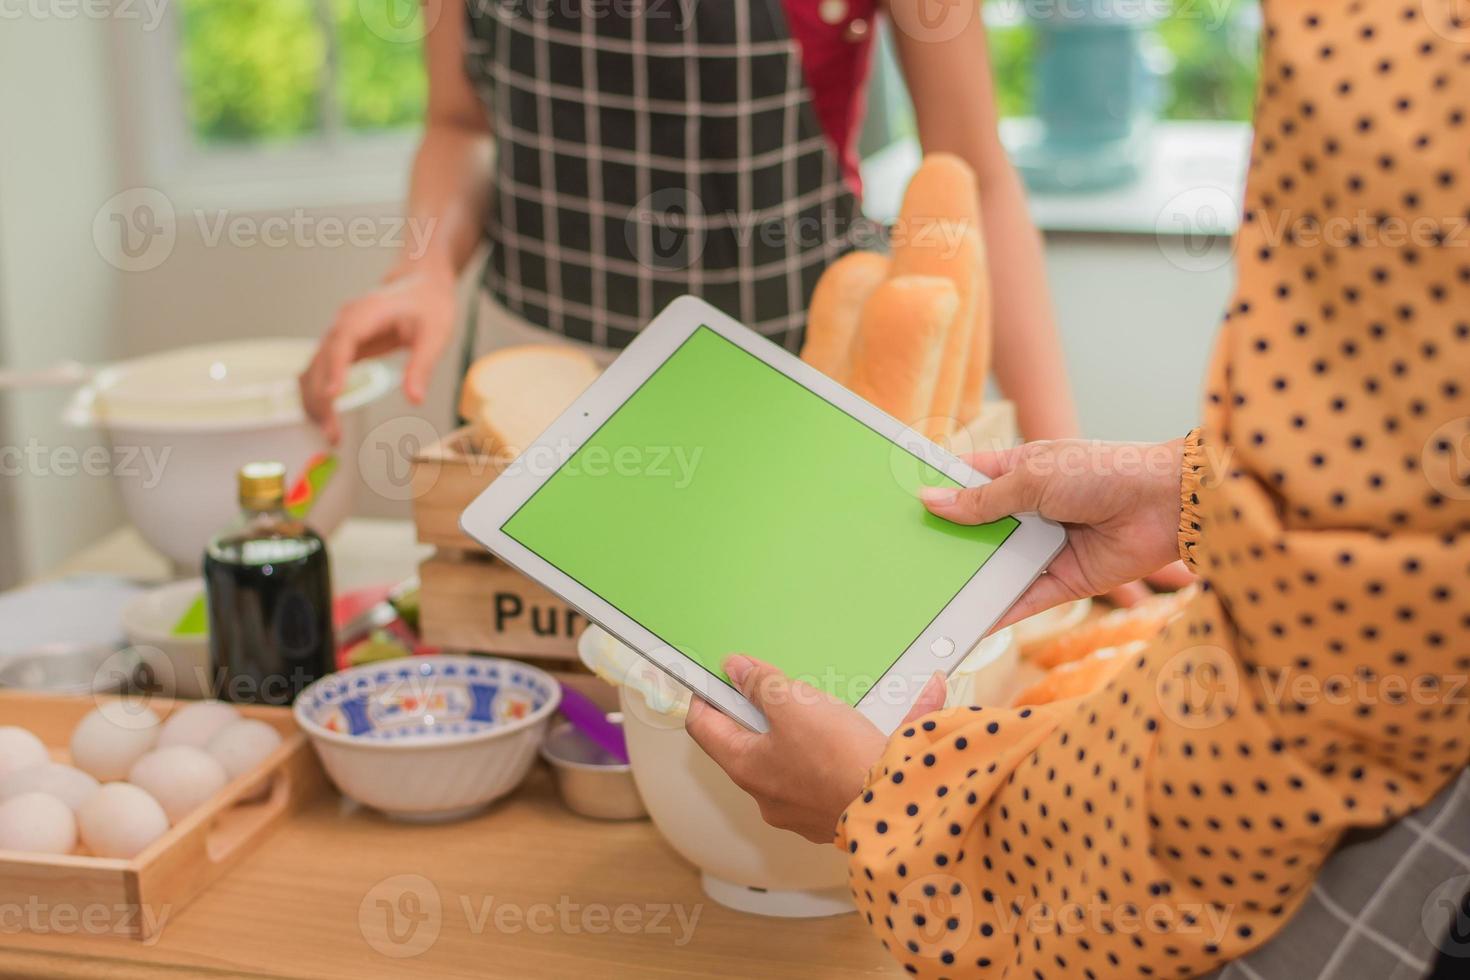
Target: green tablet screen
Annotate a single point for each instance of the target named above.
(727, 509)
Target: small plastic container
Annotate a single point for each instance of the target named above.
(592, 783)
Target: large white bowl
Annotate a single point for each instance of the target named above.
(183, 422)
(744, 863)
(429, 739)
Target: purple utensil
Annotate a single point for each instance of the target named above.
(592, 721)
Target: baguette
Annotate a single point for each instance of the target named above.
(942, 189)
(836, 308)
(939, 233)
(895, 361)
(510, 396)
(953, 252)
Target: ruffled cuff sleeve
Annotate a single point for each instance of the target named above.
(1191, 478)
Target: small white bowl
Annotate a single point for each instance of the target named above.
(179, 665)
(429, 739)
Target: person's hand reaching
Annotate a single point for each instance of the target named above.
(414, 308)
(1118, 501)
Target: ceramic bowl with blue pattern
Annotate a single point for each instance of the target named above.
(429, 738)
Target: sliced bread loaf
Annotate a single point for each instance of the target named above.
(511, 395)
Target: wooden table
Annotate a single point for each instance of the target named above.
(525, 890)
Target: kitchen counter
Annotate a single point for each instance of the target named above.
(525, 890)
(362, 552)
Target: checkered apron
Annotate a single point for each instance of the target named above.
(650, 148)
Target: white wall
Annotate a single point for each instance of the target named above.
(1138, 330)
(57, 294)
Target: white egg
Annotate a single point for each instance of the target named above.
(119, 820)
(179, 777)
(242, 745)
(196, 723)
(112, 737)
(70, 786)
(37, 823)
(19, 749)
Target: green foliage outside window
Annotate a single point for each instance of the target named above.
(258, 70)
(1012, 50)
(251, 68)
(276, 71)
(1213, 71)
(381, 82)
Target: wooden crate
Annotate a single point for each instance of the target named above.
(447, 475)
(137, 897)
(468, 600)
(484, 605)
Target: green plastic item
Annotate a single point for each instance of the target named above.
(381, 645)
(407, 606)
(195, 620)
(317, 474)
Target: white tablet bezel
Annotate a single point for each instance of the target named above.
(964, 620)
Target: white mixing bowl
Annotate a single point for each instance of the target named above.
(183, 422)
(744, 863)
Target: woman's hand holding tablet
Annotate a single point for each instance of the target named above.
(806, 770)
(711, 494)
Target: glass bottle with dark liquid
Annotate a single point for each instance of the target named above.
(269, 597)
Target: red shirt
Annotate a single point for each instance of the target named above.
(835, 59)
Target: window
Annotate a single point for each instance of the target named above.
(282, 70)
(268, 72)
(321, 87)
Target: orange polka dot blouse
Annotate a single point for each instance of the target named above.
(1175, 818)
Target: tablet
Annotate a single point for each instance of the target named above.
(712, 494)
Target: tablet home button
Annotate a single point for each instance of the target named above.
(942, 647)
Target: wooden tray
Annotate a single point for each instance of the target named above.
(136, 898)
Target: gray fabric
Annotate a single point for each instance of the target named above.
(1383, 905)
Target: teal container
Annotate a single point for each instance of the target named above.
(1095, 98)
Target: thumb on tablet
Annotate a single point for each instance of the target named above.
(763, 684)
(1012, 493)
(721, 737)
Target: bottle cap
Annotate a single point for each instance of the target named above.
(262, 485)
